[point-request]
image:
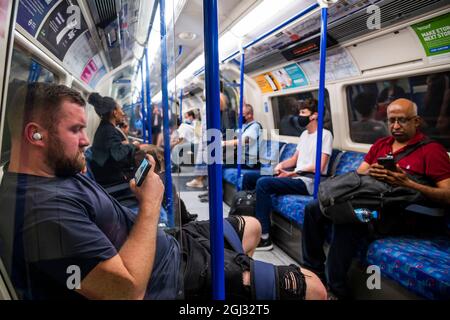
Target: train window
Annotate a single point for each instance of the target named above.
(367, 104)
(23, 68)
(287, 106)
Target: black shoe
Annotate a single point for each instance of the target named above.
(265, 244)
(203, 195)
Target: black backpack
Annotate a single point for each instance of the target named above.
(244, 203)
(340, 195)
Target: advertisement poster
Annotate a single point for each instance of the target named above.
(61, 29)
(295, 74)
(31, 14)
(434, 35)
(340, 65)
(267, 83)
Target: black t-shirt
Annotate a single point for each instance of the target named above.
(50, 224)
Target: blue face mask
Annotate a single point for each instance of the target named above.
(188, 121)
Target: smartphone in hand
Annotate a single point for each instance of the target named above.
(388, 163)
(142, 172)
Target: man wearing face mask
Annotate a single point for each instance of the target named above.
(298, 181)
(250, 139)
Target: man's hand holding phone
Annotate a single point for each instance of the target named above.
(147, 186)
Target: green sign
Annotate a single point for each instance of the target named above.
(434, 34)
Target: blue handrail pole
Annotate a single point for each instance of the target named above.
(323, 60)
(144, 116)
(165, 105)
(181, 106)
(275, 29)
(211, 44)
(241, 109)
(149, 97)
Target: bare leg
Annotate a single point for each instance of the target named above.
(252, 235)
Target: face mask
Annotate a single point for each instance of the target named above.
(188, 121)
(303, 121)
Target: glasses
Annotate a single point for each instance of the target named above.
(400, 120)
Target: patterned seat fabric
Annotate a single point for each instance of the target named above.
(292, 207)
(422, 266)
(230, 175)
(288, 151)
(348, 161)
(270, 151)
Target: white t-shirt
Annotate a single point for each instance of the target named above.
(307, 153)
(186, 132)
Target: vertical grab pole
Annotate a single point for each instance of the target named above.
(212, 83)
(181, 106)
(323, 57)
(165, 104)
(144, 115)
(149, 97)
(241, 109)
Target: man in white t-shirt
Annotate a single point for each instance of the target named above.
(185, 139)
(293, 182)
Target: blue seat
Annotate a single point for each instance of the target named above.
(422, 266)
(292, 207)
(270, 150)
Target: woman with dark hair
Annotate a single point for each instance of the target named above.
(112, 154)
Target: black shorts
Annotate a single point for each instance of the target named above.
(196, 257)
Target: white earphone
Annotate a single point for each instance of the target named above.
(37, 136)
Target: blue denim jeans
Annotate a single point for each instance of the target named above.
(268, 186)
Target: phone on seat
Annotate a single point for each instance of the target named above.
(142, 172)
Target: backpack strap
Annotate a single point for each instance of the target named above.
(231, 236)
(262, 274)
(411, 149)
(263, 280)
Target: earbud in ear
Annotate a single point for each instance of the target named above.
(37, 136)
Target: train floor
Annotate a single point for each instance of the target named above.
(194, 205)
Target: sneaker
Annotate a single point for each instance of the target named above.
(195, 184)
(265, 245)
(203, 195)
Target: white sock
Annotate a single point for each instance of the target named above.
(265, 236)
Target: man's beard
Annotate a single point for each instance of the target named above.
(61, 164)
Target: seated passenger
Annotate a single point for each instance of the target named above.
(186, 133)
(428, 161)
(112, 154)
(298, 181)
(72, 240)
(250, 141)
(367, 129)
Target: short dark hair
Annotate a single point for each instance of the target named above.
(38, 102)
(308, 103)
(191, 114)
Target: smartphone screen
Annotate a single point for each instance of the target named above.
(388, 163)
(141, 172)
